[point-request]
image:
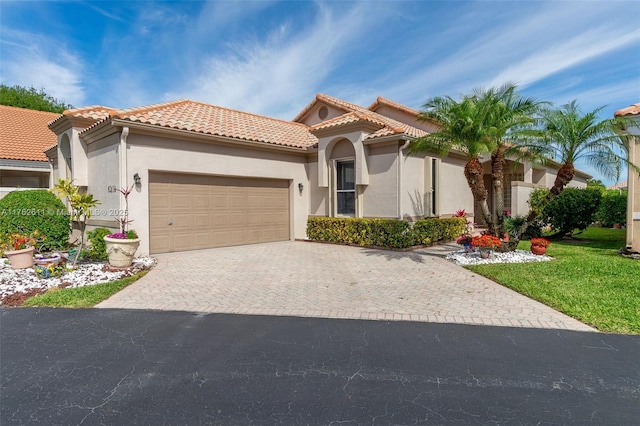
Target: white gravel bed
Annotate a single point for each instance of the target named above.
(24, 280)
(518, 256)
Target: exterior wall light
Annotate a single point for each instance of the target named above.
(137, 179)
(300, 186)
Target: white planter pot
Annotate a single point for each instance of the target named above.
(121, 251)
(20, 259)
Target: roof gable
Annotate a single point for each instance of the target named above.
(24, 134)
(389, 126)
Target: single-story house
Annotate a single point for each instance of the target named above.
(207, 176)
(633, 180)
(24, 136)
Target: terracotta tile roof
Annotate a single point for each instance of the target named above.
(24, 134)
(94, 112)
(392, 104)
(630, 110)
(218, 121)
(391, 126)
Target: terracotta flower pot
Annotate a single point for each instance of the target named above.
(20, 259)
(121, 251)
(538, 250)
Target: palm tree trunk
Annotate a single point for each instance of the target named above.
(474, 173)
(497, 174)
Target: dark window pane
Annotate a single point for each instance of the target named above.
(346, 175)
(347, 203)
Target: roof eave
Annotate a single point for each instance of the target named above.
(204, 137)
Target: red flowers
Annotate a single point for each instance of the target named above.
(486, 241)
(541, 242)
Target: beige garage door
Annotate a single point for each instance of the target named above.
(188, 212)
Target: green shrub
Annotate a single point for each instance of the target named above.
(389, 233)
(98, 248)
(613, 209)
(432, 230)
(573, 208)
(26, 211)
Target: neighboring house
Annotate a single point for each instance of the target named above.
(211, 176)
(633, 180)
(621, 186)
(24, 136)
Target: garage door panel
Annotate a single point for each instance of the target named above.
(213, 211)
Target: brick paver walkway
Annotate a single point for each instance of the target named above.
(323, 280)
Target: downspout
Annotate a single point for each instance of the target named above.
(403, 147)
(123, 163)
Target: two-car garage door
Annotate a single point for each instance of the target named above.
(188, 212)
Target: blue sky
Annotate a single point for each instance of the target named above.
(272, 58)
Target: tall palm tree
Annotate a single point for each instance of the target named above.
(461, 127)
(570, 135)
(509, 118)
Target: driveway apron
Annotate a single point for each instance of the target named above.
(323, 280)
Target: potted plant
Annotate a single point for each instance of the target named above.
(465, 240)
(539, 246)
(122, 246)
(19, 248)
(487, 243)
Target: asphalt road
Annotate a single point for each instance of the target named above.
(115, 367)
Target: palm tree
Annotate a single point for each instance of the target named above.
(488, 121)
(460, 128)
(570, 135)
(509, 117)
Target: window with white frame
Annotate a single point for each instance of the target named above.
(345, 188)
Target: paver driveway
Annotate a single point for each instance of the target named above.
(323, 280)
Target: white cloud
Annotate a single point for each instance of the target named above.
(588, 45)
(525, 42)
(280, 74)
(29, 60)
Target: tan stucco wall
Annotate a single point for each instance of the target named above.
(318, 201)
(79, 161)
(409, 119)
(154, 153)
(633, 201)
(103, 177)
(453, 190)
(379, 198)
(412, 187)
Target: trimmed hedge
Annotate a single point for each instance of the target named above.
(388, 233)
(26, 211)
(433, 230)
(613, 209)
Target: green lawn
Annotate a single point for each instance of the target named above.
(81, 297)
(588, 280)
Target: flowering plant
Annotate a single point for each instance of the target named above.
(18, 241)
(464, 239)
(542, 242)
(129, 235)
(460, 213)
(486, 241)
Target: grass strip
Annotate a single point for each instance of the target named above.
(82, 297)
(588, 280)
